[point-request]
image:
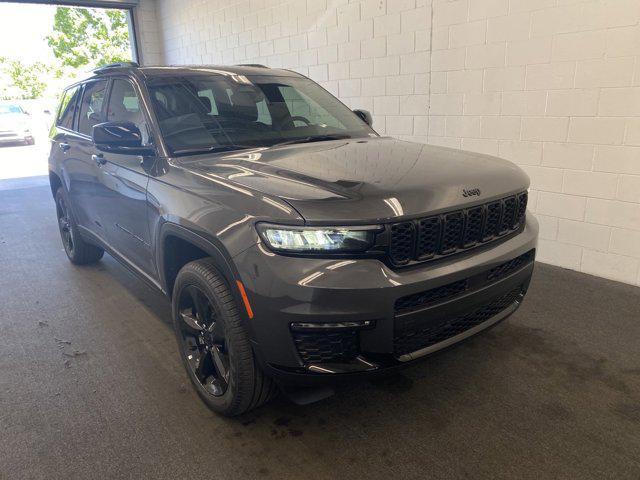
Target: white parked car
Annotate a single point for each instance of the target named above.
(15, 124)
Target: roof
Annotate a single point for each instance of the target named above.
(248, 70)
(229, 69)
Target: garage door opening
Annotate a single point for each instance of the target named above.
(44, 48)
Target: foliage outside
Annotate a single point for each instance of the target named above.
(23, 81)
(82, 40)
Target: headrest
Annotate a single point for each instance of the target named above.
(206, 103)
(241, 105)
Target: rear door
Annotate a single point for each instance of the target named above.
(78, 174)
(123, 183)
(82, 167)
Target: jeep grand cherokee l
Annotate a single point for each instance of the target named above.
(298, 247)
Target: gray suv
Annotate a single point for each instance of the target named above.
(299, 248)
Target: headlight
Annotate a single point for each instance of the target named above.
(317, 239)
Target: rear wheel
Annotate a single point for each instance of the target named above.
(214, 345)
(77, 249)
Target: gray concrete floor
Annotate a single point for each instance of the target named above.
(91, 385)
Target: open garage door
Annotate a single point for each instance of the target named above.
(45, 46)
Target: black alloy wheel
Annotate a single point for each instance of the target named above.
(213, 341)
(203, 340)
(79, 251)
(65, 226)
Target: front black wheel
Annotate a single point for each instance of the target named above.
(77, 249)
(213, 343)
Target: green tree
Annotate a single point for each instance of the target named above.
(27, 80)
(89, 37)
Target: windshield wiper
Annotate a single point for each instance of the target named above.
(212, 149)
(313, 138)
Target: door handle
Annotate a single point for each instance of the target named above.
(64, 146)
(99, 159)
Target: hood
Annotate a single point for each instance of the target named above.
(366, 180)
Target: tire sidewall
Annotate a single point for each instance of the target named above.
(61, 194)
(226, 401)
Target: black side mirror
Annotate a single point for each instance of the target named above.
(365, 116)
(120, 137)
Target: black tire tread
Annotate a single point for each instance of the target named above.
(254, 388)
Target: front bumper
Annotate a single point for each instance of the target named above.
(388, 317)
(8, 136)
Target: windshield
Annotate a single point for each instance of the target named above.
(8, 108)
(209, 112)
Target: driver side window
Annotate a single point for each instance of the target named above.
(91, 106)
(124, 106)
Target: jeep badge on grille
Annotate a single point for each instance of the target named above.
(470, 192)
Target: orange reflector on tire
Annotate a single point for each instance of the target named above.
(245, 299)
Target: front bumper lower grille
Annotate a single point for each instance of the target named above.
(451, 290)
(408, 339)
(448, 233)
(339, 342)
(327, 347)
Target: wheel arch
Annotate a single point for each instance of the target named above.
(54, 181)
(178, 245)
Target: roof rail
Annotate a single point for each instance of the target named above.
(257, 65)
(116, 65)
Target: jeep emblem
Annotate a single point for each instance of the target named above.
(470, 192)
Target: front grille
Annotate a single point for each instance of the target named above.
(445, 234)
(402, 247)
(428, 237)
(451, 232)
(327, 347)
(451, 290)
(408, 338)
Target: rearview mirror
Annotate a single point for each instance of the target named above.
(120, 137)
(365, 116)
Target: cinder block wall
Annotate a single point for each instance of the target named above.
(373, 54)
(148, 33)
(553, 85)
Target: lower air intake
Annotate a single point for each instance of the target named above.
(409, 339)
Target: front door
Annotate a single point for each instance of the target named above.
(124, 185)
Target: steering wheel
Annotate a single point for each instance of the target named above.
(290, 120)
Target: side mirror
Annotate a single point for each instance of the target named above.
(365, 116)
(120, 137)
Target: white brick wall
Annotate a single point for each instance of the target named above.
(559, 94)
(373, 54)
(553, 85)
(147, 33)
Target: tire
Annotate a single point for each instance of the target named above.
(217, 354)
(77, 249)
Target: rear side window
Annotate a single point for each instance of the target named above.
(91, 106)
(68, 107)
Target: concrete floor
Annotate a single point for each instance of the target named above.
(91, 385)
